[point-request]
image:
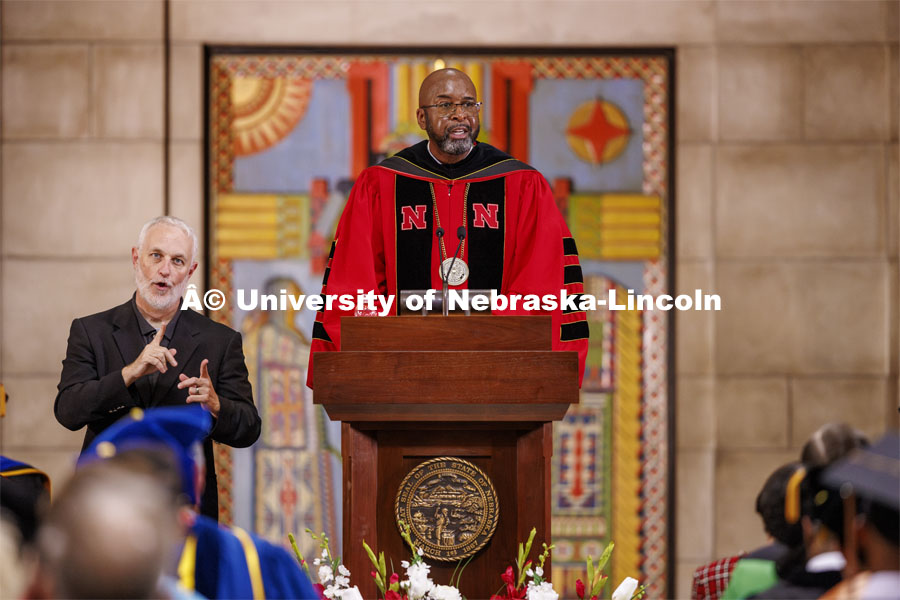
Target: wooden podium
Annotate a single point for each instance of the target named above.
(409, 389)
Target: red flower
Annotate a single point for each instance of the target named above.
(579, 588)
(392, 595)
(373, 574)
(320, 590)
(509, 578)
(394, 578)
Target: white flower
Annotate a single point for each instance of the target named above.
(351, 594)
(530, 573)
(343, 570)
(317, 562)
(341, 581)
(444, 592)
(325, 574)
(330, 591)
(539, 571)
(626, 589)
(419, 582)
(404, 564)
(541, 591)
(421, 552)
(324, 553)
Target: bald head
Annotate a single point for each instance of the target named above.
(448, 112)
(438, 82)
(107, 535)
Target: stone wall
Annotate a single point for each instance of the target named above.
(787, 199)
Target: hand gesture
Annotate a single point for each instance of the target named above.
(153, 357)
(200, 389)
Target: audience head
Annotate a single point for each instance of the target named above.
(871, 476)
(108, 534)
(770, 505)
(831, 442)
(179, 429)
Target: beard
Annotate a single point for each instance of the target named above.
(152, 296)
(449, 145)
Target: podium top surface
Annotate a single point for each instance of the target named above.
(478, 368)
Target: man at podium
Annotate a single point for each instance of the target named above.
(456, 210)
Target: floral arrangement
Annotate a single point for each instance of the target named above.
(332, 576)
(524, 582)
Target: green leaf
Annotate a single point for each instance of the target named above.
(371, 554)
(604, 558)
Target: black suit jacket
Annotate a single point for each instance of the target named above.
(92, 392)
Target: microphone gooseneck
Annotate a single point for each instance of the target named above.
(461, 234)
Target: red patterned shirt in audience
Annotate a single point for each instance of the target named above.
(711, 580)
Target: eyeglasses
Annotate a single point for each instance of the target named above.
(448, 108)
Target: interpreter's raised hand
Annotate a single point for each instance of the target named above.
(154, 357)
(200, 389)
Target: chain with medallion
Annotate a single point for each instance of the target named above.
(460, 270)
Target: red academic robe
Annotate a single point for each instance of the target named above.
(517, 241)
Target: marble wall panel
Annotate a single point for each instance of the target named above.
(128, 91)
(29, 419)
(697, 103)
(40, 300)
(778, 22)
(67, 194)
(694, 202)
(577, 23)
(845, 92)
(186, 187)
(186, 93)
(861, 402)
(45, 91)
(694, 339)
(760, 93)
(799, 201)
(81, 20)
(695, 472)
(695, 413)
(802, 317)
(752, 412)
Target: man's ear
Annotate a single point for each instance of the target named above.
(420, 118)
(135, 255)
(193, 268)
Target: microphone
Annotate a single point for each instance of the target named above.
(439, 232)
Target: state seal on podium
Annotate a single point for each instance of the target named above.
(450, 506)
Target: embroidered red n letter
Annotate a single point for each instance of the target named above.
(413, 216)
(486, 215)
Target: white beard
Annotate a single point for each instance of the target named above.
(163, 302)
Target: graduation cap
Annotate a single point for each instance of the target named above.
(177, 428)
(872, 473)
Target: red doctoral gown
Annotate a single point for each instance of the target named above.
(517, 241)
